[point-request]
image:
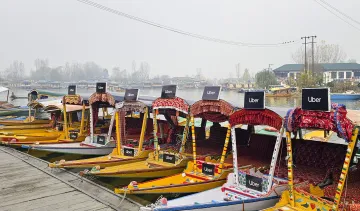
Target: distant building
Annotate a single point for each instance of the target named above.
(331, 71)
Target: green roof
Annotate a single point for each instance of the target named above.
(326, 66)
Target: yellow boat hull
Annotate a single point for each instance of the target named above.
(104, 161)
(24, 128)
(32, 137)
(23, 122)
(141, 169)
(186, 182)
(23, 131)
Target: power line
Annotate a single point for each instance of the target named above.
(198, 36)
(344, 14)
(337, 15)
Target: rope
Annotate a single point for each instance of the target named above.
(124, 196)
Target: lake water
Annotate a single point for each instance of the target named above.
(196, 94)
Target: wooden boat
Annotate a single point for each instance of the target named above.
(61, 130)
(163, 162)
(282, 92)
(200, 174)
(326, 193)
(95, 144)
(124, 152)
(245, 189)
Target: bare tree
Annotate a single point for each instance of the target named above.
(237, 70)
(246, 76)
(323, 53)
(15, 71)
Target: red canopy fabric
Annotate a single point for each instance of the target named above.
(72, 99)
(335, 120)
(256, 117)
(177, 103)
(214, 111)
(102, 97)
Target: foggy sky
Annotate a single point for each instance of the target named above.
(67, 30)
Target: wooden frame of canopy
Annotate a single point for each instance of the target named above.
(120, 113)
(176, 104)
(256, 117)
(214, 111)
(105, 98)
(336, 121)
(74, 100)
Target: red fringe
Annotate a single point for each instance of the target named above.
(256, 117)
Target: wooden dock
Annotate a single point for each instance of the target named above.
(26, 183)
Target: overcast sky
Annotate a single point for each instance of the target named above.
(67, 30)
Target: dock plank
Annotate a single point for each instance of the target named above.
(27, 184)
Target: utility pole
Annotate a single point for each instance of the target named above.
(312, 52)
(305, 50)
(269, 67)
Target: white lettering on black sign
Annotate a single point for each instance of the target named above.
(129, 152)
(208, 169)
(73, 135)
(100, 87)
(316, 99)
(131, 94)
(254, 183)
(72, 90)
(211, 93)
(254, 100)
(168, 91)
(169, 158)
(101, 140)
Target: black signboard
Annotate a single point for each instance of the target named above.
(101, 87)
(168, 91)
(254, 183)
(72, 90)
(131, 94)
(101, 140)
(169, 158)
(211, 93)
(129, 152)
(316, 99)
(254, 100)
(208, 169)
(73, 136)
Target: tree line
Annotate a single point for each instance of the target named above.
(75, 72)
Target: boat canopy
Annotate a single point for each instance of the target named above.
(256, 117)
(36, 105)
(75, 100)
(212, 110)
(335, 120)
(59, 107)
(102, 98)
(176, 103)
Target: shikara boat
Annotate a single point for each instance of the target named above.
(201, 173)
(95, 144)
(60, 131)
(246, 188)
(46, 135)
(131, 145)
(168, 158)
(332, 186)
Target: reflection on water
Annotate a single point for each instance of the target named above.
(196, 94)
